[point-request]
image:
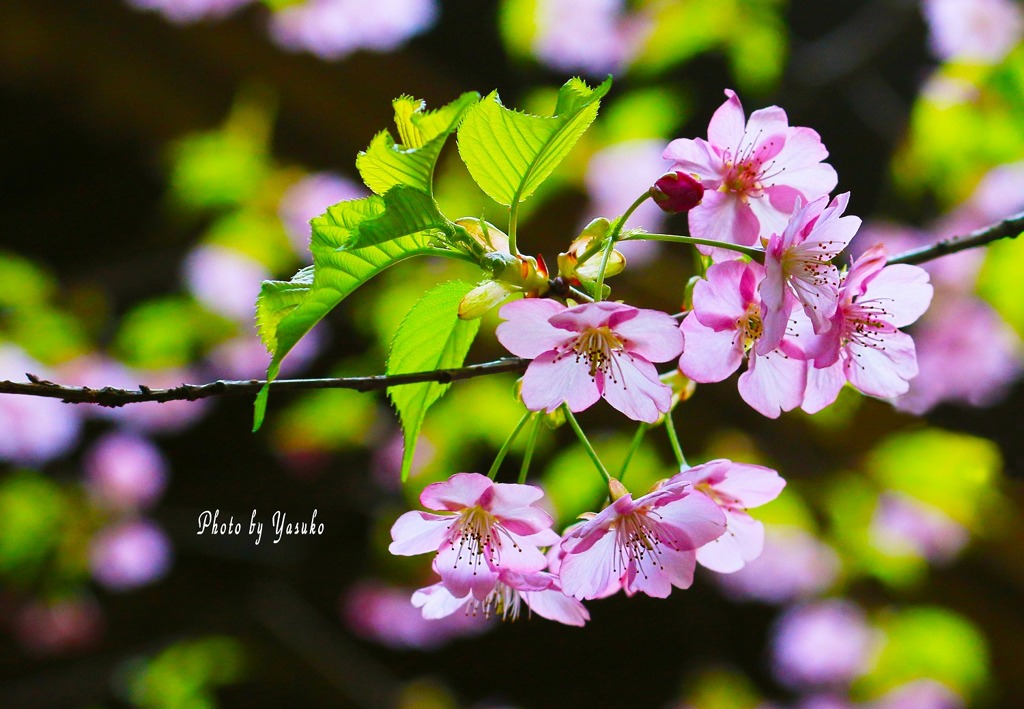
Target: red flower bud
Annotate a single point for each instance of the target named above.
(677, 192)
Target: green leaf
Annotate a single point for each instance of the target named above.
(386, 164)
(430, 337)
(510, 154)
(286, 311)
(406, 211)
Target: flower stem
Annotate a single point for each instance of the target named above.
(638, 438)
(524, 469)
(670, 429)
(754, 253)
(503, 451)
(513, 218)
(613, 236)
(586, 445)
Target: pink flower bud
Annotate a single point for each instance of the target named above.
(677, 192)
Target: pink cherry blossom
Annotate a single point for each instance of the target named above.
(974, 31)
(734, 487)
(753, 170)
(645, 545)
(591, 351)
(486, 527)
(864, 345)
(798, 267)
(724, 328)
(539, 591)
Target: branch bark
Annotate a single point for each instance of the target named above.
(111, 397)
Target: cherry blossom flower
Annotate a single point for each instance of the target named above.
(753, 170)
(982, 31)
(725, 326)
(187, 11)
(904, 525)
(125, 471)
(591, 351)
(130, 555)
(734, 487)
(864, 345)
(646, 545)
(798, 267)
(485, 528)
(539, 591)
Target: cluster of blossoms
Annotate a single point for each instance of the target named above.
(489, 541)
(757, 193)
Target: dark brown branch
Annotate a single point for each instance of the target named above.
(108, 396)
(111, 397)
(1010, 227)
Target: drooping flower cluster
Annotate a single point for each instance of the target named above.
(488, 545)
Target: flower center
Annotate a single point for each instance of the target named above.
(639, 541)
(476, 533)
(865, 324)
(743, 177)
(504, 602)
(597, 346)
(749, 326)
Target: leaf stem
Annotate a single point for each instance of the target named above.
(452, 254)
(638, 438)
(754, 253)
(503, 451)
(670, 429)
(586, 444)
(513, 219)
(531, 442)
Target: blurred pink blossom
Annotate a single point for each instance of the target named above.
(225, 281)
(186, 11)
(130, 555)
(46, 629)
(332, 29)
(125, 471)
(981, 31)
(245, 356)
(920, 694)
(595, 37)
(905, 525)
(383, 614)
(32, 429)
(310, 197)
(793, 565)
(822, 643)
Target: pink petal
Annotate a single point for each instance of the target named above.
(802, 156)
(588, 574)
(770, 219)
(693, 519)
(657, 576)
(552, 380)
(555, 605)
(883, 373)
(696, 157)
(418, 533)
(904, 292)
(651, 334)
(723, 217)
(773, 383)
(591, 315)
(751, 485)
(517, 554)
(723, 297)
(823, 386)
(458, 492)
(728, 123)
(709, 356)
(741, 543)
(637, 391)
(771, 124)
(437, 601)
(526, 331)
(462, 574)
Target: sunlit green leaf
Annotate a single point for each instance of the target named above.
(406, 211)
(385, 164)
(431, 337)
(510, 153)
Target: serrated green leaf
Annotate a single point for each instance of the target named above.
(510, 154)
(386, 164)
(406, 211)
(286, 311)
(430, 337)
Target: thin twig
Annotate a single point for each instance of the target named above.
(111, 397)
(1008, 228)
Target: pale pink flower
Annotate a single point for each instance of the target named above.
(130, 555)
(486, 527)
(904, 525)
(595, 37)
(646, 545)
(753, 170)
(734, 487)
(724, 327)
(799, 269)
(591, 351)
(125, 471)
(919, 694)
(980, 31)
(539, 591)
(864, 345)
